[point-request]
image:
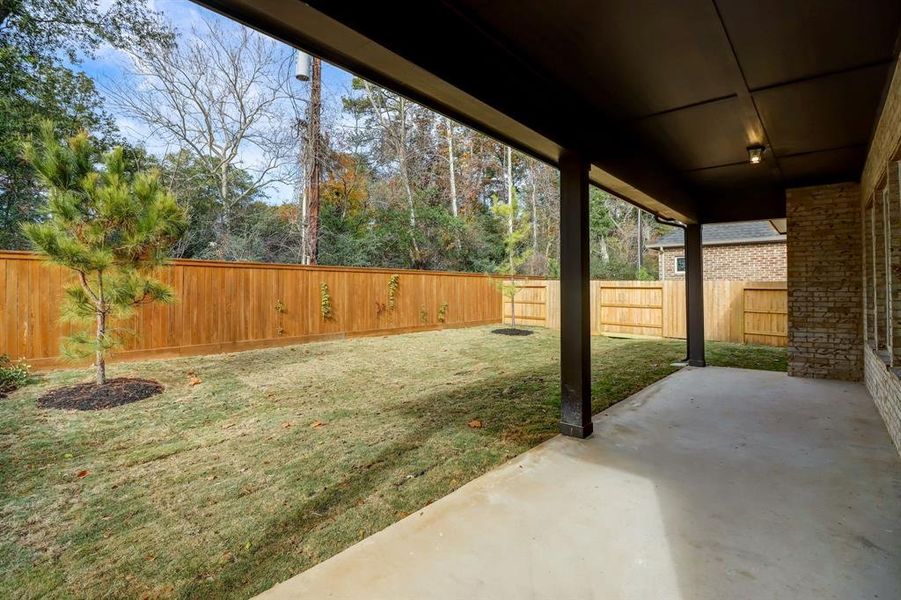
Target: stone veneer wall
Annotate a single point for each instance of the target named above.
(881, 380)
(733, 262)
(824, 287)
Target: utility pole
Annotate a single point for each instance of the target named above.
(310, 69)
(315, 158)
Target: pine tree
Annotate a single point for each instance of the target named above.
(517, 253)
(111, 227)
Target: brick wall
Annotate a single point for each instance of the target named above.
(734, 262)
(824, 288)
(881, 170)
(883, 385)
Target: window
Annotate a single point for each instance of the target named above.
(680, 265)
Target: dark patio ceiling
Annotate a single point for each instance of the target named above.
(665, 96)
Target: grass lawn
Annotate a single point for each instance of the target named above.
(278, 458)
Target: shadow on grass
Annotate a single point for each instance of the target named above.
(516, 412)
(512, 418)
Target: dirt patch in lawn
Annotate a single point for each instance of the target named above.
(90, 396)
(511, 331)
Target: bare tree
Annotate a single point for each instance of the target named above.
(390, 114)
(224, 97)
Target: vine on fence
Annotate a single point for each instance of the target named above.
(442, 313)
(393, 285)
(281, 309)
(325, 301)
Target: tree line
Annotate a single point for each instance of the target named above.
(217, 113)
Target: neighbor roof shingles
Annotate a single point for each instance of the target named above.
(724, 233)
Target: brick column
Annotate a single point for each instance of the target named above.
(824, 282)
(887, 272)
(878, 232)
(866, 319)
(868, 282)
(893, 197)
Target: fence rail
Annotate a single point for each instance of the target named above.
(750, 312)
(226, 306)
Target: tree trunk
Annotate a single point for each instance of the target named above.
(224, 220)
(508, 182)
(640, 235)
(604, 250)
(534, 210)
(99, 352)
(450, 161)
(99, 357)
(405, 176)
(513, 305)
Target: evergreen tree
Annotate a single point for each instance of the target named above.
(108, 226)
(517, 252)
(42, 44)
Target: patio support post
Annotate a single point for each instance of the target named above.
(575, 315)
(694, 295)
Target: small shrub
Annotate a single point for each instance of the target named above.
(442, 313)
(13, 375)
(423, 314)
(325, 301)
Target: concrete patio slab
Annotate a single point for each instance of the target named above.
(712, 483)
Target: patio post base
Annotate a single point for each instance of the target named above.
(576, 431)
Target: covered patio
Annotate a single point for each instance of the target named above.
(699, 112)
(711, 483)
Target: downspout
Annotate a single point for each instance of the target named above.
(680, 225)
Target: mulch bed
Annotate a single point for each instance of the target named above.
(511, 331)
(90, 396)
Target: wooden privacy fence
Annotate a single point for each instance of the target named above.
(734, 311)
(226, 306)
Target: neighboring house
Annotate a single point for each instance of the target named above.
(750, 251)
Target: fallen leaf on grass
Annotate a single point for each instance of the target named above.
(475, 424)
(286, 424)
(194, 380)
(82, 474)
(318, 424)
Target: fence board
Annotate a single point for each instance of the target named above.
(734, 311)
(766, 316)
(223, 306)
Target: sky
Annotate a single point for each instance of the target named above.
(109, 66)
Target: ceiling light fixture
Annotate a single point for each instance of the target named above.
(755, 154)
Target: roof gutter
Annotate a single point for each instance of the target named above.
(668, 221)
